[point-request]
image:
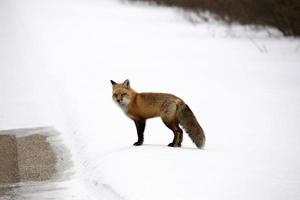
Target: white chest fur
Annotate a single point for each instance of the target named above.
(124, 108)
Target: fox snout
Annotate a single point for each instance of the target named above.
(119, 101)
(122, 101)
(119, 98)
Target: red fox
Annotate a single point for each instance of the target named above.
(173, 111)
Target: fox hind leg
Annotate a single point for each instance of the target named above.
(177, 136)
(169, 119)
(180, 136)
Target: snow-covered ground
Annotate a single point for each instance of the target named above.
(56, 60)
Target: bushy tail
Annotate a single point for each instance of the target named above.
(190, 124)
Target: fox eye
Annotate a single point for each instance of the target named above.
(115, 95)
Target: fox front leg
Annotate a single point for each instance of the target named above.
(140, 127)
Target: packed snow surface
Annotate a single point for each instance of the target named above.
(56, 61)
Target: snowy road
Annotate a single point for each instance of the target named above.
(56, 60)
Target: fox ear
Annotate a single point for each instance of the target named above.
(126, 83)
(112, 82)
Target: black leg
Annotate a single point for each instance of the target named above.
(177, 138)
(140, 127)
(177, 134)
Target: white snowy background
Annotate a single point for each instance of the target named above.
(56, 60)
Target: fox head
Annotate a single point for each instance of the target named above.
(122, 94)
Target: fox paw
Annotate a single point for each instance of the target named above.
(174, 145)
(138, 143)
